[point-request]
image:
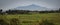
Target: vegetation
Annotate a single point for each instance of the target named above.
(46, 22)
(2, 22)
(27, 11)
(14, 21)
(25, 17)
(33, 19)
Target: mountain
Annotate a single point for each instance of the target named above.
(31, 7)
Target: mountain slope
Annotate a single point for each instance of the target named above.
(31, 7)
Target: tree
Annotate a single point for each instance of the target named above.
(0, 10)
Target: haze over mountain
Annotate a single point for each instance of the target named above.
(32, 8)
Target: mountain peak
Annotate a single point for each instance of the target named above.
(33, 5)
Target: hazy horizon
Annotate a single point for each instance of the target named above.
(8, 4)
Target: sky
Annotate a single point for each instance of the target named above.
(8, 4)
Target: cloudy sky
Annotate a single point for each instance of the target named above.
(8, 4)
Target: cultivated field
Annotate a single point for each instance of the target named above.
(32, 19)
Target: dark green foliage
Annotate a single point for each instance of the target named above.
(2, 22)
(27, 11)
(0, 10)
(46, 22)
(14, 21)
(17, 12)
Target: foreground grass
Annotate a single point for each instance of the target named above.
(35, 18)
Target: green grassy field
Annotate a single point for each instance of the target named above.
(34, 18)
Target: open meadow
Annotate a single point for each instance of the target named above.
(31, 19)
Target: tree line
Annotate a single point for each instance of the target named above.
(27, 11)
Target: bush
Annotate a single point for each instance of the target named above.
(14, 21)
(46, 22)
(2, 22)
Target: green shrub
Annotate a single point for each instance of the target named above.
(14, 21)
(2, 22)
(46, 22)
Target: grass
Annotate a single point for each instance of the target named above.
(34, 18)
